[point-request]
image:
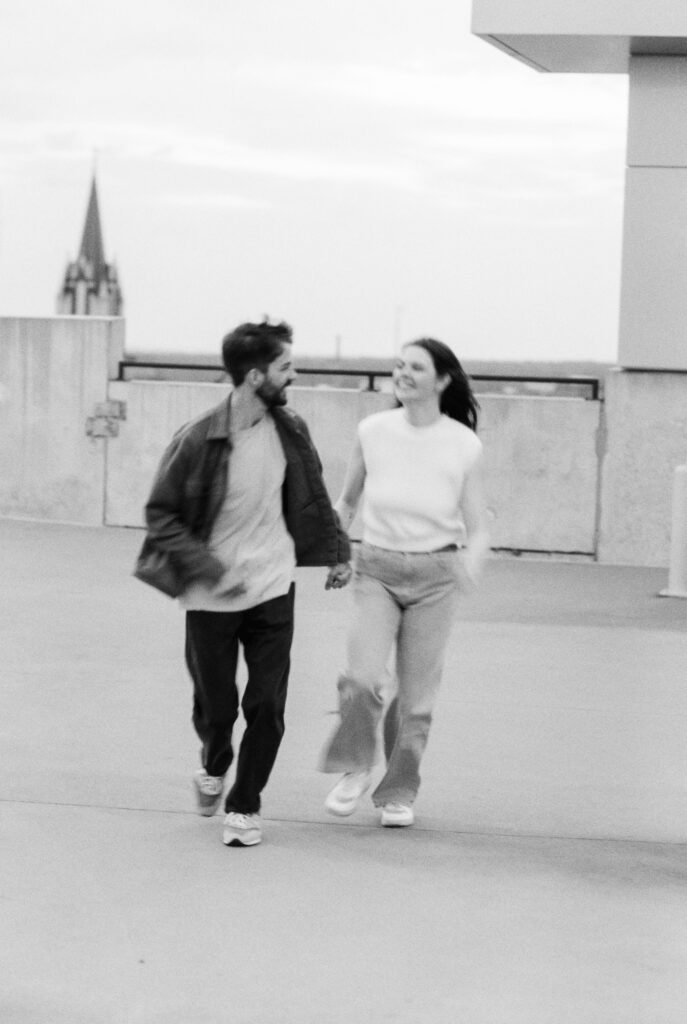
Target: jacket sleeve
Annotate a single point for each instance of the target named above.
(164, 513)
(343, 541)
(343, 544)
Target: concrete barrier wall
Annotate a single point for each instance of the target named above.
(541, 465)
(646, 440)
(156, 409)
(332, 416)
(542, 454)
(541, 469)
(53, 372)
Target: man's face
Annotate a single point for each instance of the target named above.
(280, 373)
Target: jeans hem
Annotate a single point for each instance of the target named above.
(399, 797)
(231, 809)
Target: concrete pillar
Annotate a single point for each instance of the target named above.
(653, 310)
(646, 39)
(646, 410)
(646, 438)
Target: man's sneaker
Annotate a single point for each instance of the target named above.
(209, 790)
(343, 798)
(397, 815)
(241, 829)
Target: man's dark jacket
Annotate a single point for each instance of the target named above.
(190, 487)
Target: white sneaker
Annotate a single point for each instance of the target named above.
(242, 829)
(397, 815)
(209, 789)
(343, 798)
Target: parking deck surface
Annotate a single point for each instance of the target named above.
(545, 881)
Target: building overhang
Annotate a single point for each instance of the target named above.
(598, 36)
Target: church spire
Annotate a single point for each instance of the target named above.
(91, 286)
(92, 248)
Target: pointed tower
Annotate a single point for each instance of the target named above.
(91, 286)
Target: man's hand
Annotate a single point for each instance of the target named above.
(338, 576)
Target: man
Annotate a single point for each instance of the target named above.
(237, 503)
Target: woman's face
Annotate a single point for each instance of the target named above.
(414, 377)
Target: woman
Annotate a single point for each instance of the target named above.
(424, 539)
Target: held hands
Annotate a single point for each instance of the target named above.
(338, 576)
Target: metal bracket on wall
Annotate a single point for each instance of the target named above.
(105, 420)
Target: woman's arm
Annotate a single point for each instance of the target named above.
(345, 507)
(354, 482)
(476, 519)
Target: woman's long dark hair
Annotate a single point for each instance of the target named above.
(457, 399)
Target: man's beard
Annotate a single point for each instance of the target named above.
(271, 395)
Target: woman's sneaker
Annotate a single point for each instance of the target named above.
(209, 789)
(343, 798)
(397, 815)
(241, 829)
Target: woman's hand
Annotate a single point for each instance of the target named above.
(477, 526)
(471, 564)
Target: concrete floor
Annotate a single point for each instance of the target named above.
(545, 880)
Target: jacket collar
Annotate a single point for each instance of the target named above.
(288, 421)
(219, 428)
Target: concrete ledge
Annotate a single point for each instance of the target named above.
(586, 36)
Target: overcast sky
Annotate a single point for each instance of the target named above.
(366, 170)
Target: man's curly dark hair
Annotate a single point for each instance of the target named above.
(254, 346)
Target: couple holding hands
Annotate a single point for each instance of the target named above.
(239, 501)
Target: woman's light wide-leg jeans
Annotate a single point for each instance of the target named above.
(411, 598)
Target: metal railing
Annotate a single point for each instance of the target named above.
(590, 385)
(145, 364)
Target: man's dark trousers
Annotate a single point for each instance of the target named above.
(212, 647)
